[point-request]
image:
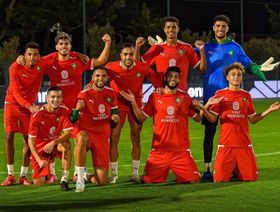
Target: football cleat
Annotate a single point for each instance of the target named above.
(51, 179)
(207, 177)
(80, 186)
(64, 186)
(113, 179)
(10, 180)
(24, 181)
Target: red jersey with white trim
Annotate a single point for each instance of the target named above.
(132, 79)
(46, 126)
(234, 111)
(68, 76)
(181, 55)
(170, 113)
(96, 115)
(25, 83)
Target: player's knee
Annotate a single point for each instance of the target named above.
(38, 182)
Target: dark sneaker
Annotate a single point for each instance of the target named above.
(64, 186)
(207, 177)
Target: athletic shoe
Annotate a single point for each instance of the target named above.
(64, 186)
(207, 177)
(80, 186)
(136, 178)
(10, 180)
(51, 179)
(86, 176)
(24, 181)
(113, 179)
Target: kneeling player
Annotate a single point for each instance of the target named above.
(235, 149)
(98, 107)
(170, 146)
(46, 141)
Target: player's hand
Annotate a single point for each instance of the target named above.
(159, 90)
(21, 60)
(116, 118)
(274, 106)
(74, 116)
(33, 108)
(106, 38)
(199, 44)
(84, 58)
(128, 96)
(49, 147)
(197, 104)
(42, 163)
(156, 41)
(140, 41)
(88, 86)
(268, 65)
(214, 100)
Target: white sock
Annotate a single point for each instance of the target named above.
(23, 171)
(114, 167)
(80, 173)
(11, 170)
(135, 166)
(65, 174)
(52, 168)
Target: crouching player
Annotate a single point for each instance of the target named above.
(46, 141)
(170, 145)
(235, 149)
(98, 107)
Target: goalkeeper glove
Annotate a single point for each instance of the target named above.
(268, 65)
(256, 70)
(156, 41)
(74, 116)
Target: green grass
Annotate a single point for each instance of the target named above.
(263, 195)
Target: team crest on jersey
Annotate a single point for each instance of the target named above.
(181, 51)
(178, 100)
(235, 106)
(109, 99)
(52, 130)
(38, 68)
(172, 62)
(101, 108)
(244, 99)
(138, 75)
(230, 52)
(170, 110)
(57, 119)
(74, 66)
(64, 74)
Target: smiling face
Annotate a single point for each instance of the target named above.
(220, 29)
(127, 55)
(63, 47)
(171, 29)
(54, 99)
(99, 78)
(31, 56)
(172, 79)
(234, 77)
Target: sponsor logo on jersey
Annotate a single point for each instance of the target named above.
(172, 62)
(235, 106)
(138, 75)
(101, 108)
(181, 51)
(38, 68)
(52, 130)
(170, 110)
(64, 74)
(74, 66)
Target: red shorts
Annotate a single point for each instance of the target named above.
(99, 151)
(181, 164)
(242, 159)
(126, 109)
(38, 172)
(16, 118)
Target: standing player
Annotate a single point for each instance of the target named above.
(172, 52)
(46, 141)
(235, 149)
(127, 74)
(170, 146)
(220, 52)
(98, 107)
(25, 82)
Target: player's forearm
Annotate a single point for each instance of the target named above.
(256, 118)
(33, 149)
(64, 137)
(103, 57)
(210, 116)
(203, 63)
(138, 112)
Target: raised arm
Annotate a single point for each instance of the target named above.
(103, 57)
(199, 44)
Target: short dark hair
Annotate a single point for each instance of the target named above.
(32, 45)
(170, 19)
(99, 67)
(63, 36)
(127, 45)
(235, 65)
(54, 88)
(221, 18)
(172, 69)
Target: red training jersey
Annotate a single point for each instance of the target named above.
(164, 55)
(234, 111)
(170, 113)
(96, 115)
(25, 83)
(46, 126)
(68, 76)
(132, 79)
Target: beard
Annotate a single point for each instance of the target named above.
(171, 87)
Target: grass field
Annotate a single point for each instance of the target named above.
(263, 195)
